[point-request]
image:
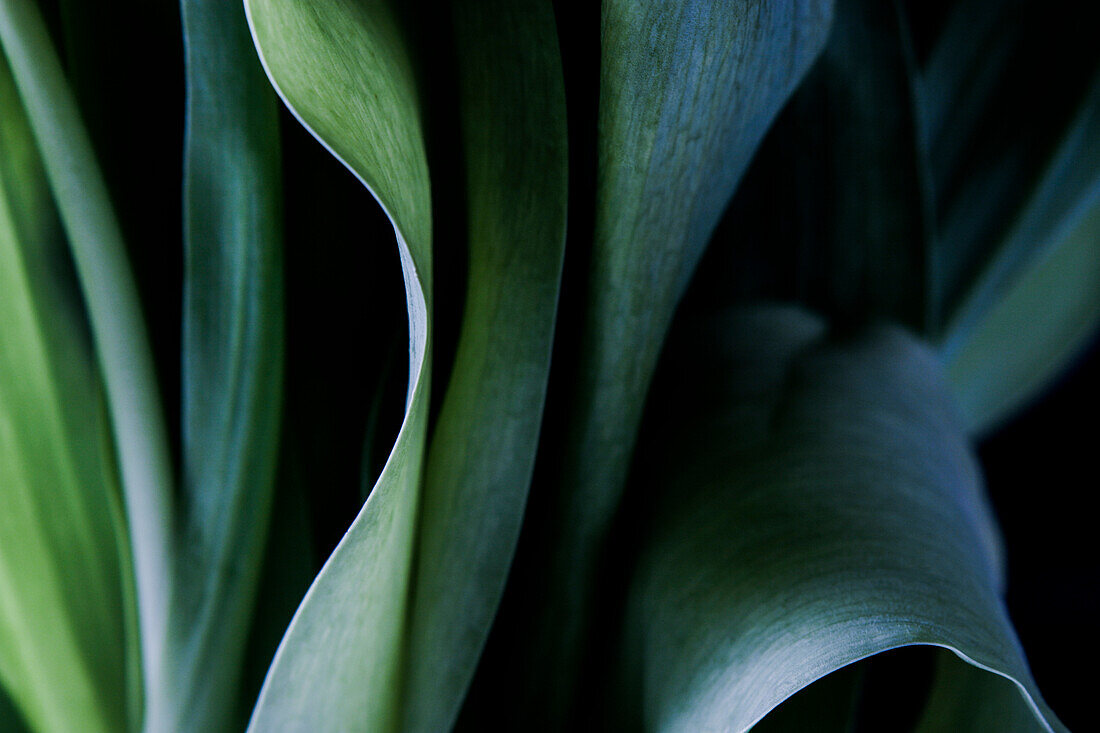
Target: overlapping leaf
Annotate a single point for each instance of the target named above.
(121, 343)
(67, 641)
(824, 506)
(859, 174)
(344, 71)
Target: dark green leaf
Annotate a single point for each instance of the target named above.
(1037, 302)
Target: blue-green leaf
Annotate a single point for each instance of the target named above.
(687, 91)
(232, 366)
(824, 506)
(1037, 301)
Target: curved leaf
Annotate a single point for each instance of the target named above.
(232, 366)
(824, 506)
(66, 634)
(121, 342)
(483, 447)
(687, 90)
(343, 70)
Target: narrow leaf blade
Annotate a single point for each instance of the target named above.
(231, 365)
(65, 642)
(483, 447)
(344, 71)
(121, 342)
(687, 91)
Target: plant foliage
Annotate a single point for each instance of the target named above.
(706, 304)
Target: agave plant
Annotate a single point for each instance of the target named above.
(614, 489)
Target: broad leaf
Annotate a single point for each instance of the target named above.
(67, 640)
(687, 90)
(1037, 302)
(232, 366)
(817, 502)
(344, 71)
(121, 343)
(483, 447)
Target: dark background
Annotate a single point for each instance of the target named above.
(343, 280)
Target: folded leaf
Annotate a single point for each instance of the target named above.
(67, 641)
(232, 366)
(483, 448)
(817, 503)
(343, 70)
(114, 312)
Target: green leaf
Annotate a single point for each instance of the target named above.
(824, 506)
(232, 366)
(121, 343)
(344, 71)
(483, 448)
(1037, 302)
(687, 91)
(67, 640)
